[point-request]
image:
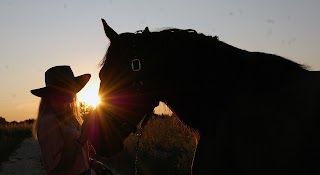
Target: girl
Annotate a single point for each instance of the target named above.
(59, 127)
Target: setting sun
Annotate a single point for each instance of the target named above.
(89, 94)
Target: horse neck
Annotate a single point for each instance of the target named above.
(180, 72)
(216, 74)
(200, 66)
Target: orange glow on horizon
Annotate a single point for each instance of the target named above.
(89, 94)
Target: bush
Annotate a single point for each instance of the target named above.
(166, 146)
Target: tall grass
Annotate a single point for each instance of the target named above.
(166, 146)
(11, 135)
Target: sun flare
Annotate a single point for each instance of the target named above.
(89, 94)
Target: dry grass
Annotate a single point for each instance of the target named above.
(166, 146)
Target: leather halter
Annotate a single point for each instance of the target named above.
(138, 86)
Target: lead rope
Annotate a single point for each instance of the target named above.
(138, 136)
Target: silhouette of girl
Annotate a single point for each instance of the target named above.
(60, 129)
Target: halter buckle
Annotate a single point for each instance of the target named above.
(135, 65)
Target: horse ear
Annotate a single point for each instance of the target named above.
(146, 30)
(110, 33)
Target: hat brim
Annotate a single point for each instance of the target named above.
(78, 83)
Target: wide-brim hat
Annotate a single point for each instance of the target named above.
(61, 79)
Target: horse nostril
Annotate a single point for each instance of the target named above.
(137, 85)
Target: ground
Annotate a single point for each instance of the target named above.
(26, 160)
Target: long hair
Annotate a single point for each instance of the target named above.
(65, 112)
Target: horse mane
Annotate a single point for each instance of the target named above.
(200, 39)
(191, 39)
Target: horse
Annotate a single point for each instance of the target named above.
(256, 113)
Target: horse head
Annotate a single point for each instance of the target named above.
(124, 92)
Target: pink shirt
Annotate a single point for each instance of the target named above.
(51, 137)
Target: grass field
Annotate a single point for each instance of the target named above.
(166, 146)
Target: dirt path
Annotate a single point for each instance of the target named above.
(25, 160)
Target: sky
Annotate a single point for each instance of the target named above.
(36, 35)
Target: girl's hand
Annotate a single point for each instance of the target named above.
(100, 168)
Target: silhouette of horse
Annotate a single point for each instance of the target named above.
(256, 113)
